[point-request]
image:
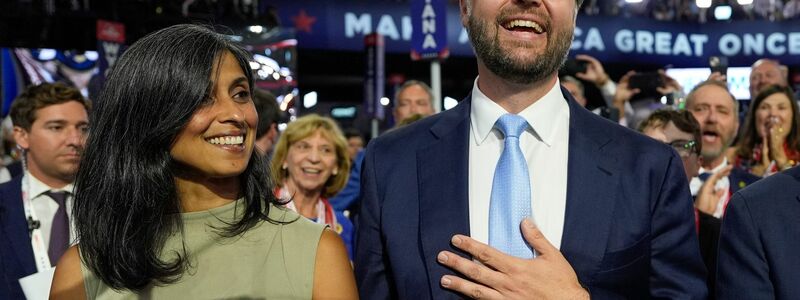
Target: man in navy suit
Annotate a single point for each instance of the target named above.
(717, 111)
(50, 124)
(758, 247)
(611, 210)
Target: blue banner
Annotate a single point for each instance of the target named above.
(684, 44)
(342, 25)
(429, 29)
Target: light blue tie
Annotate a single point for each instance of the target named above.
(511, 191)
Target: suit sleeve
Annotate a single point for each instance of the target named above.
(742, 271)
(677, 269)
(371, 264)
(349, 194)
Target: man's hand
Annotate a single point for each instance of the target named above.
(717, 76)
(501, 276)
(708, 196)
(594, 70)
(624, 92)
(670, 84)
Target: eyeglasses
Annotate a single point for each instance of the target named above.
(684, 147)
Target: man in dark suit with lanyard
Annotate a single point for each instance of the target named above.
(519, 192)
(50, 125)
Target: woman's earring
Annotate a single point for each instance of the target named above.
(335, 172)
(284, 167)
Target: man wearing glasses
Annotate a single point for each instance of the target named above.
(679, 130)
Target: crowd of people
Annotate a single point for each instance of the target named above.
(175, 182)
(720, 156)
(688, 10)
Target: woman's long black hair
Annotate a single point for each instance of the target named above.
(126, 202)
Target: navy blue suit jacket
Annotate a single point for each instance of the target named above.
(709, 227)
(759, 247)
(16, 253)
(629, 224)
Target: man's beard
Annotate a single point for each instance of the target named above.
(710, 155)
(501, 62)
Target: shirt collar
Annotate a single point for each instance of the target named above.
(37, 187)
(541, 115)
(717, 168)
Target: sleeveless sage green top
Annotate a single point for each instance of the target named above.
(269, 261)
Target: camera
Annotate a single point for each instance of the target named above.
(718, 64)
(573, 66)
(647, 83)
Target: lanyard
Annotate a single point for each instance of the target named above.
(37, 239)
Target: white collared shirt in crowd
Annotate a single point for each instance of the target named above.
(545, 148)
(46, 207)
(722, 184)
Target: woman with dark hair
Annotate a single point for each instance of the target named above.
(770, 141)
(172, 202)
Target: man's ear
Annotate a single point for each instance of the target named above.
(465, 10)
(21, 137)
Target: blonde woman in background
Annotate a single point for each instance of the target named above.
(311, 164)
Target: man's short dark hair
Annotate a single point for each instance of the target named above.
(268, 111)
(683, 120)
(351, 133)
(36, 97)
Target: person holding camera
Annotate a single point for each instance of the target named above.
(589, 69)
(640, 93)
(594, 72)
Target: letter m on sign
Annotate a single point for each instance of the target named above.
(429, 29)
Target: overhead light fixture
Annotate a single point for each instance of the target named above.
(744, 2)
(285, 100)
(723, 12)
(449, 103)
(256, 29)
(91, 55)
(384, 101)
(703, 3)
(47, 54)
(310, 99)
(633, 1)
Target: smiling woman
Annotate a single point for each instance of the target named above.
(770, 140)
(171, 200)
(311, 164)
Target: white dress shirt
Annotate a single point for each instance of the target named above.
(46, 207)
(5, 176)
(722, 184)
(545, 148)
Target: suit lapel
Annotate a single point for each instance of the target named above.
(15, 227)
(444, 205)
(443, 170)
(591, 183)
